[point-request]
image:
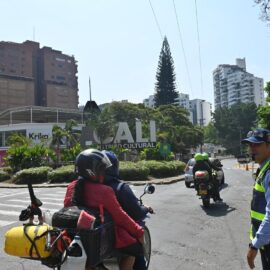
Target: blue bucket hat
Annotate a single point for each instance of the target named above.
(259, 135)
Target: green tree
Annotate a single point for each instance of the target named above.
(102, 123)
(58, 135)
(18, 139)
(264, 111)
(72, 135)
(165, 85)
(233, 123)
(211, 134)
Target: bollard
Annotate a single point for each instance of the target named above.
(246, 166)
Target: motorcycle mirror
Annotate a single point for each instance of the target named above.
(149, 189)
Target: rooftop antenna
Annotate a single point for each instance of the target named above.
(90, 89)
(34, 33)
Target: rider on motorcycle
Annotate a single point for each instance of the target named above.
(126, 198)
(203, 164)
(89, 191)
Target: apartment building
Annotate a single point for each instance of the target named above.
(233, 84)
(199, 110)
(30, 75)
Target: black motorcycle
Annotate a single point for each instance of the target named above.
(204, 186)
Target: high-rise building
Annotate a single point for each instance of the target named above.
(233, 84)
(149, 102)
(30, 75)
(199, 110)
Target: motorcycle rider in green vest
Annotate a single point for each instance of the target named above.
(259, 144)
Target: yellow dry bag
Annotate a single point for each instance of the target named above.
(28, 241)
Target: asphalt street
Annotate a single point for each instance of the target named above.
(184, 234)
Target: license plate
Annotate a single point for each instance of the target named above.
(202, 192)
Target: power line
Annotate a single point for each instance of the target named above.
(156, 20)
(182, 45)
(199, 47)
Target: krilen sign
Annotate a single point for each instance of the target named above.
(123, 137)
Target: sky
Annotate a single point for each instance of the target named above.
(117, 42)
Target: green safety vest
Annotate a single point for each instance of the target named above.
(258, 203)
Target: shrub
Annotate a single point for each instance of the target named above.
(8, 170)
(34, 175)
(25, 156)
(131, 171)
(161, 169)
(3, 175)
(62, 174)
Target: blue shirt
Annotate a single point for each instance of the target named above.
(263, 234)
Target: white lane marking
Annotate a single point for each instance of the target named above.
(11, 205)
(14, 194)
(9, 213)
(54, 199)
(52, 210)
(28, 201)
(5, 223)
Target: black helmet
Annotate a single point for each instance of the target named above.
(114, 169)
(91, 164)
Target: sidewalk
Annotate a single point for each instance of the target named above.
(156, 181)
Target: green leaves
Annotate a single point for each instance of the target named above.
(232, 125)
(165, 85)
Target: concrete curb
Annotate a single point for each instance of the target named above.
(161, 181)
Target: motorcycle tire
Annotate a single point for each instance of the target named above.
(206, 202)
(147, 246)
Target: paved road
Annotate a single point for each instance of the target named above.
(184, 234)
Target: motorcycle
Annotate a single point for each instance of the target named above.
(204, 186)
(67, 248)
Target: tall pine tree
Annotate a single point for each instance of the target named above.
(165, 92)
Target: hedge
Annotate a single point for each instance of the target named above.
(34, 175)
(4, 175)
(8, 170)
(161, 169)
(131, 171)
(62, 174)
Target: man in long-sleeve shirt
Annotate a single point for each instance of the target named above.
(259, 144)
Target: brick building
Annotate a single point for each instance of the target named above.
(30, 75)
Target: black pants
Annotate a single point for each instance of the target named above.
(265, 257)
(140, 263)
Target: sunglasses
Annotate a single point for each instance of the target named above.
(259, 134)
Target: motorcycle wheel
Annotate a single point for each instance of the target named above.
(147, 246)
(206, 202)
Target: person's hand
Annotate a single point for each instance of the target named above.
(151, 210)
(251, 257)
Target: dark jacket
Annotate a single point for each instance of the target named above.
(96, 195)
(126, 198)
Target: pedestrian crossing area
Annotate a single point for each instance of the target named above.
(13, 201)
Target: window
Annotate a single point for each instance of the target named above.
(60, 59)
(60, 78)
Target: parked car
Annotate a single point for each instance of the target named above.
(189, 180)
(243, 159)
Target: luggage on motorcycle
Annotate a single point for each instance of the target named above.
(67, 217)
(98, 243)
(201, 175)
(27, 241)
